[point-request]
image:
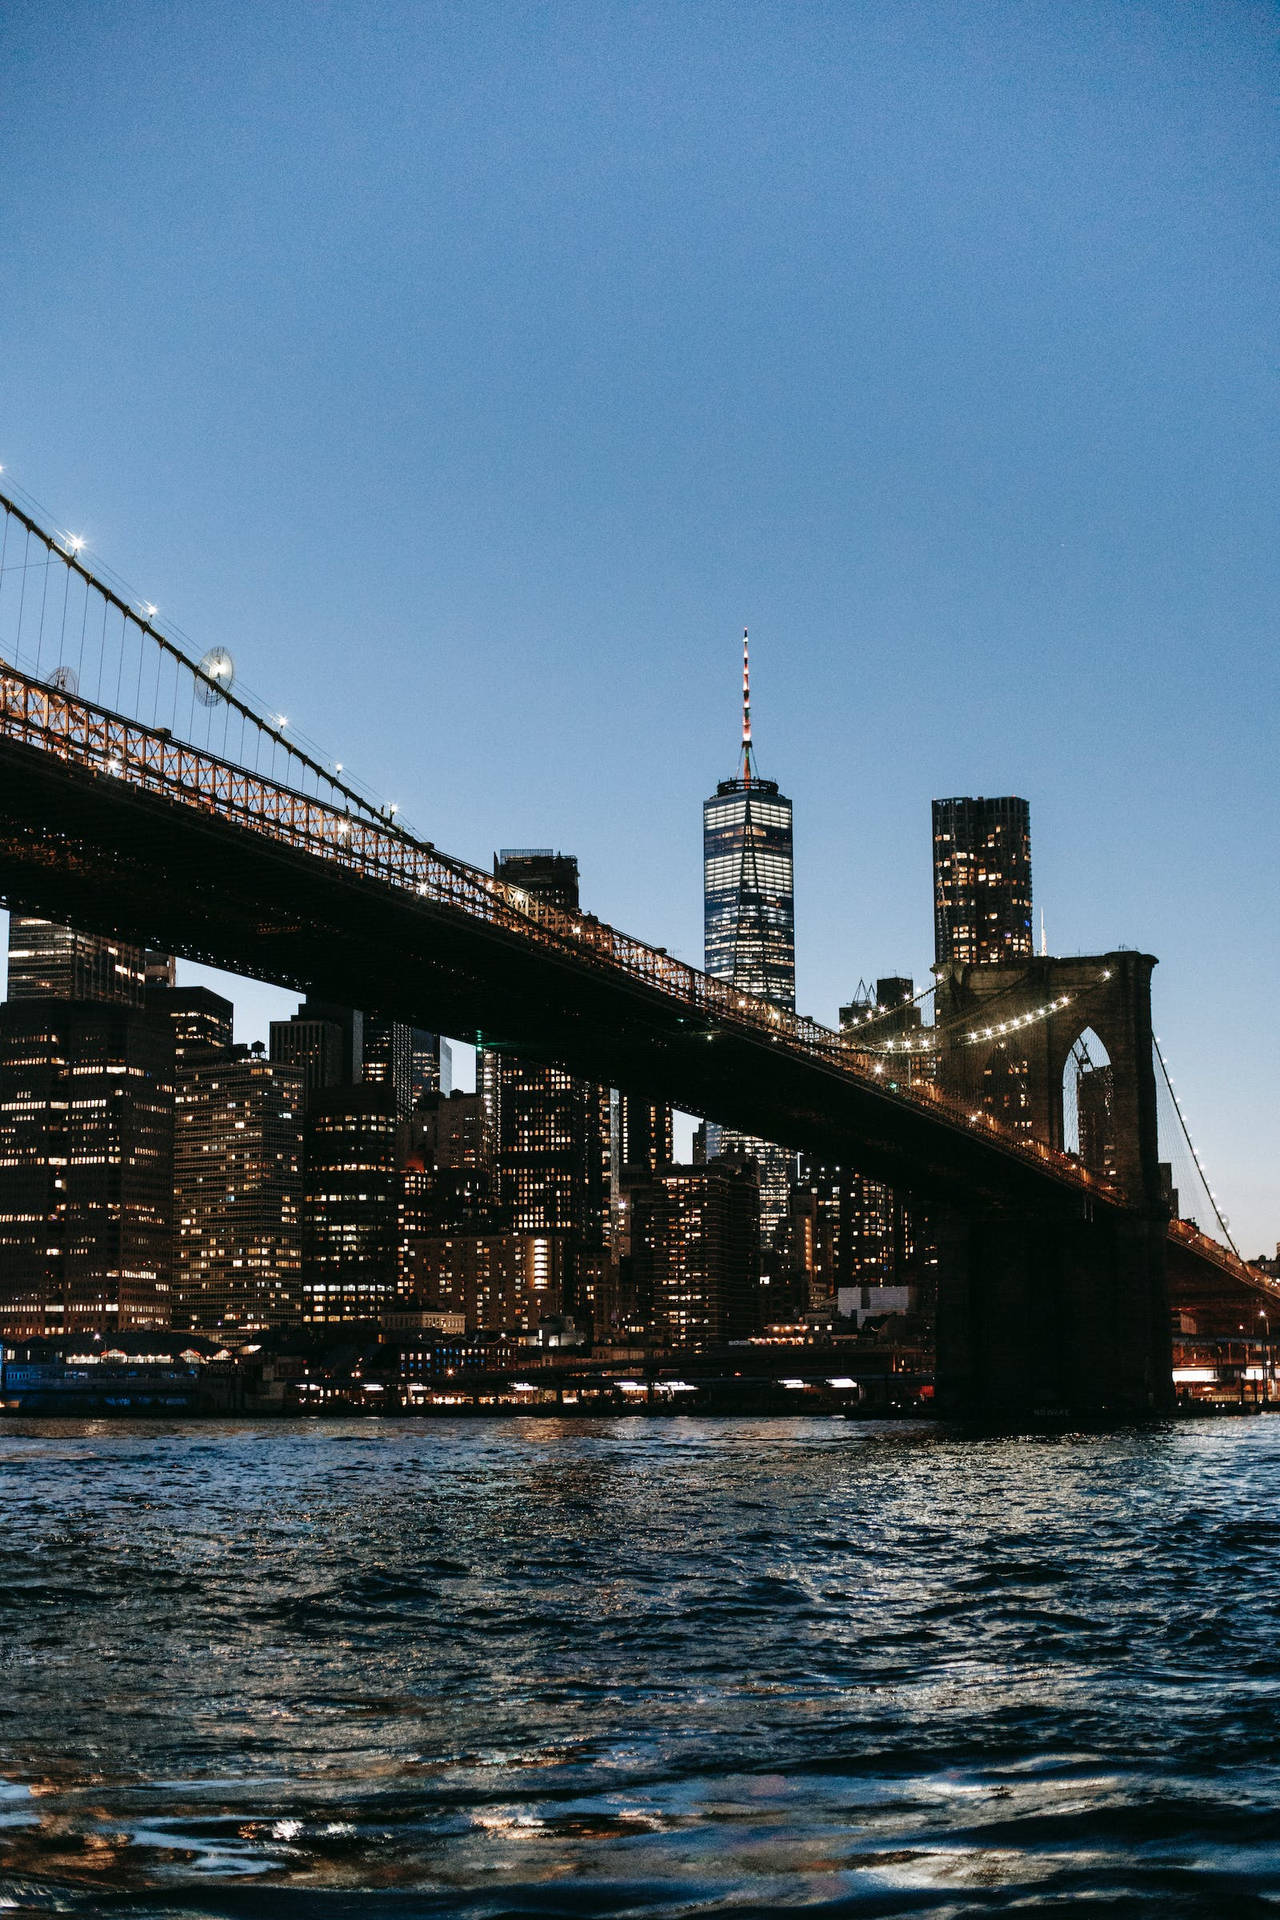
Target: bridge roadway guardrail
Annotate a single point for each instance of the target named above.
(1220, 1256)
(156, 761)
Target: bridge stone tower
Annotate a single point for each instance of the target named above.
(1069, 1308)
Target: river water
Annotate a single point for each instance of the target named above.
(637, 1667)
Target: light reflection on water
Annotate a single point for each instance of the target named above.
(637, 1668)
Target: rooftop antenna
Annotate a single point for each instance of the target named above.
(746, 709)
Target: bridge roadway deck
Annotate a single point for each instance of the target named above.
(91, 846)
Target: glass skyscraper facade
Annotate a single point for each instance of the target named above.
(47, 959)
(749, 890)
(748, 893)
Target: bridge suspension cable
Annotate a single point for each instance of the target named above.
(1191, 1146)
(80, 629)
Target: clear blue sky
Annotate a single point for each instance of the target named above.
(476, 372)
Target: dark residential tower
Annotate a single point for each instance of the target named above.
(982, 880)
(695, 1248)
(353, 1156)
(86, 1166)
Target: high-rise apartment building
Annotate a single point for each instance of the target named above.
(454, 1132)
(49, 960)
(315, 1043)
(695, 1250)
(238, 1193)
(86, 1177)
(749, 926)
(645, 1136)
(388, 1059)
(411, 1061)
(548, 1131)
(430, 1065)
(982, 880)
(353, 1155)
(502, 1282)
(200, 1021)
(847, 1231)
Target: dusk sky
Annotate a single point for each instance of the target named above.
(477, 372)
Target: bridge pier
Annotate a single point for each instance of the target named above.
(1052, 1317)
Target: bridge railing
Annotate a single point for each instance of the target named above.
(1220, 1256)
(152, 759)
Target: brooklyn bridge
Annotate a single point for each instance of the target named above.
(141, 796)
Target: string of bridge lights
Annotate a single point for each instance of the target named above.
(931, 1043)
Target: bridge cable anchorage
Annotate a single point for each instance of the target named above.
(136, 626)
(1199, 1164)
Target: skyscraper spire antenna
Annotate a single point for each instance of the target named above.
(747, 768)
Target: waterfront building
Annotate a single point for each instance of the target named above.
(353, 1160)
(749, 927)
(48, 960)
(982, 880)
(238, 1193)
(501, 1282)
(86, 1176)
(548, 1132)
(695, 1252)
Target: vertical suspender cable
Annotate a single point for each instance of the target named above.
(44, 595)
(22, 599)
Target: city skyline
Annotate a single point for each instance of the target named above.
(947, 382)
(260, 1009)
(697, 580)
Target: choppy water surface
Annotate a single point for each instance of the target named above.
(637, 1668)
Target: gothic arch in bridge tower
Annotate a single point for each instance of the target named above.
(990, 1018)
(1087, 1103)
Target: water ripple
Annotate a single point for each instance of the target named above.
(637, 1669)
